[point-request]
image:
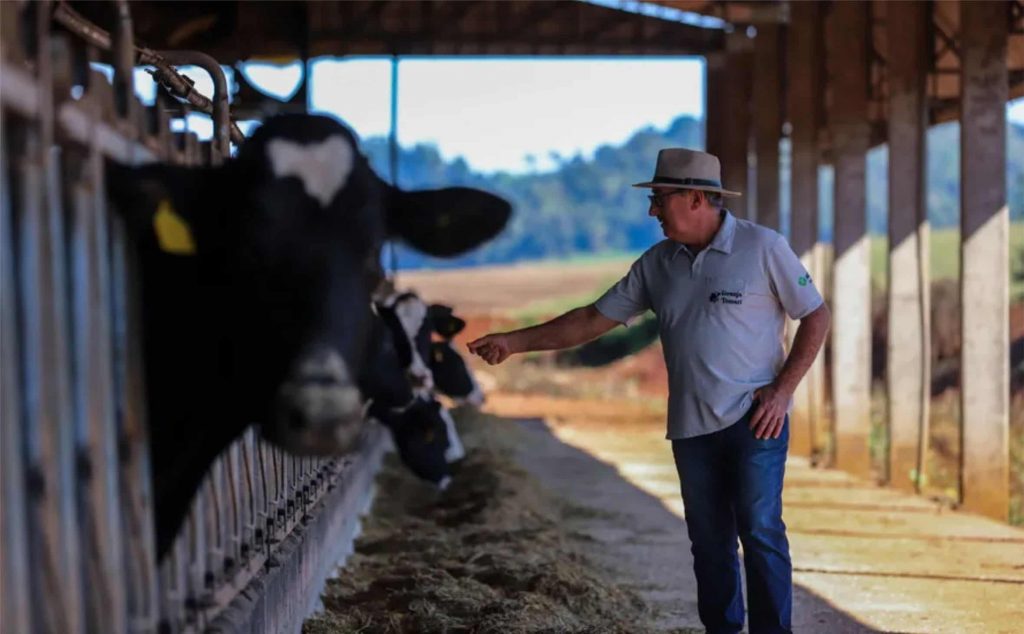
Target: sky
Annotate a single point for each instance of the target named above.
(496, 113)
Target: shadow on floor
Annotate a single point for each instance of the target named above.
(633, 536)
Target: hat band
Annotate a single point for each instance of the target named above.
(702, 182)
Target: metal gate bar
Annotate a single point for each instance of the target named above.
(77, 519)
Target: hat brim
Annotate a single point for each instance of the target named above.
(703, 188)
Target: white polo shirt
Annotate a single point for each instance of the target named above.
(721, 314)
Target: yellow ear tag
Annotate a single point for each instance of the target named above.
(172, 232)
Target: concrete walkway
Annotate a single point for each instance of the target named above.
(866, 558)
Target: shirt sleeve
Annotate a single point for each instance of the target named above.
(790, 281)
(628, 298)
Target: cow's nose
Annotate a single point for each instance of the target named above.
(318, 418)
(316, 405)
(319, 410)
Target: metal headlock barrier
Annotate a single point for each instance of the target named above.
(77, 544)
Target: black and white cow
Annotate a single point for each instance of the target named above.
(413, 422)
(419, 425)
(430, 365)
(422, 437)
(256, 279)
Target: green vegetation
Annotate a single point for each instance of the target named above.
(615, 345)
(945, 258)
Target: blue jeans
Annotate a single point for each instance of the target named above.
(732, 487)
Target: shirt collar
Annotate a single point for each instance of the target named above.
(723, 237)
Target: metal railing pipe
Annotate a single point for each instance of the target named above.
(221, 112)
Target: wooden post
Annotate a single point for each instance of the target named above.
(736, 106)
(716, 79)
(851, 292)
(767, 121)
(908, 371)
(803, 93)
(984, 227)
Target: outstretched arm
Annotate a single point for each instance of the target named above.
(575, 327)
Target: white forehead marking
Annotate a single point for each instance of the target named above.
(322, 167)
(411, 312)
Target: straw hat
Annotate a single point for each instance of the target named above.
(688, 169)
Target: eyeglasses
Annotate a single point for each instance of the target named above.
(658, 200)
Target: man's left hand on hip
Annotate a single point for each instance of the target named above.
(770, 415)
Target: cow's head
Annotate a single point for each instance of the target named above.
(285, 241)
(422, 438)
(428, 365)
(407, 318)
(452, 377)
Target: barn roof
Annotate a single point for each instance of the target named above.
(944, 78)
(240, 30)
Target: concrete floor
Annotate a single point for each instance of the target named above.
(865, 558)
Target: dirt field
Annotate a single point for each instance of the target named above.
(501, 291)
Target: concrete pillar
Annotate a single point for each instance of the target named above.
(851, 298)
(984, 226)
(735, 130)
(803, 94)
(767, 121)
(908, 371)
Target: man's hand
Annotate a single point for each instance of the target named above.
(492, 348)
(773, 400)
(577, 326)
(770, 415)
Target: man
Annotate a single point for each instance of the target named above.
(721, 288)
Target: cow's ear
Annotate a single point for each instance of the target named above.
(446, 222)
(163, 204)
(438, 314)
(445, 323)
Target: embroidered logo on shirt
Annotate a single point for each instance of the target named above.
(726, 297)
(804, 280)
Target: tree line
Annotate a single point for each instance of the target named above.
(586, 205)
